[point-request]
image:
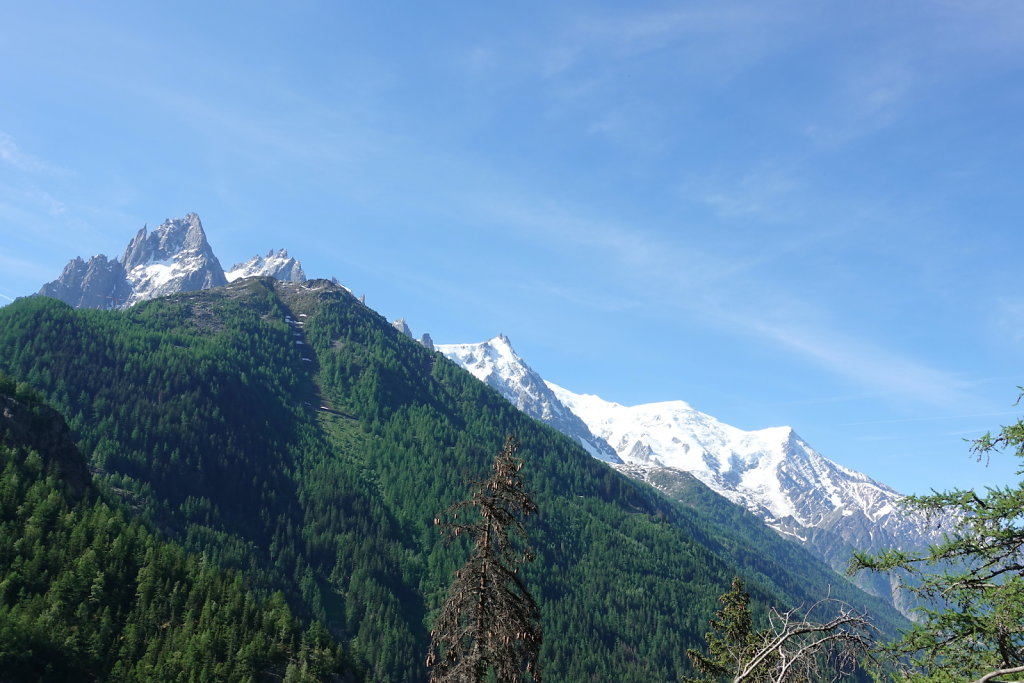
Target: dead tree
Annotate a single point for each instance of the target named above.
(797, 647)
(490, 623)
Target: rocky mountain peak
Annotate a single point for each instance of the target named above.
(497, 364)
(402, 327)
(173, 238)
(279, 266)
(173, 257)
(96, 283)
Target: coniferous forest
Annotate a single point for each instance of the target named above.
(265, 462)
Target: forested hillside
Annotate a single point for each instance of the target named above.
(289, 435)
(87, 592)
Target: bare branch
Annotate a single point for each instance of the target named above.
(1000, 672)
(795, 642)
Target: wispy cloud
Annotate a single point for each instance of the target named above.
(25, 271)
(868, 98)
(1008, 319)
(724, 39)
(766, 191)
(730, 293)
(12, 155)
(602, 301)
(865, 363)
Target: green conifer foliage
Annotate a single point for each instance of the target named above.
(731, 640)
(973, 628)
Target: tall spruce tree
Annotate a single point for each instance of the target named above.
(490, 624)
(731, 642)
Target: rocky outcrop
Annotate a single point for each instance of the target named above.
(278, 265)
(96, 283)
(402, 327)
(173, 257)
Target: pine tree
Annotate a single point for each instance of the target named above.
(490, 624)
(731, 640)
(971, 624)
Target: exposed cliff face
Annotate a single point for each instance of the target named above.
(96, 283)
(402, 327)
(173, 257)
(278, 265)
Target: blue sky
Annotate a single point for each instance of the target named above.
(803, 213)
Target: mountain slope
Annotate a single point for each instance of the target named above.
(496, 363)
(87, 593)
(776, 475)
(291, 433)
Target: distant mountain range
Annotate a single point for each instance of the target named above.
(802, 495)
(773, 473)
(174, 257)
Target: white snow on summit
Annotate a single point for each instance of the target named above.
(772, 472)
(495, 363)
(174, 257)
(279, 266)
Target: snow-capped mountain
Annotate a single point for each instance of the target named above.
(495, 363)
(173, 257)
(773, 473)
(278, 265)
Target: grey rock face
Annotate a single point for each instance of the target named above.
(169, 240)
(402, 327)
(427, 342)
(173, 257)
(96, 283)
(278, 265)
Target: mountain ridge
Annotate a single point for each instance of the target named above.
(174, 257)
(496, 364)
(772, 472)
